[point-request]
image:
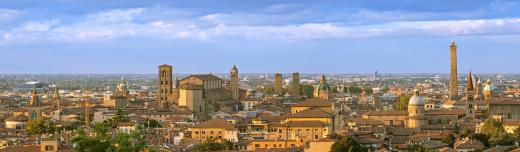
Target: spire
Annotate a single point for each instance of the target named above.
(469, 87)
(56, 94)
(234, 69)
(34, 98)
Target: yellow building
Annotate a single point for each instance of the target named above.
(214, 130)
(191, 96)
(308, 121)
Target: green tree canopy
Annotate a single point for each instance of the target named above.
(152, 123)
(40, 126)
(213, 146)
(346, 144)
(448, 138)
(402, 104)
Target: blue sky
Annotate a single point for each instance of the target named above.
(399, 36)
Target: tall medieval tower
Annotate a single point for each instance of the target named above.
(56, 98)
(234, 82)
(470, 95)
(278, 90)
(454, 82)
(34, 110)
(295, 84)
(165, 88)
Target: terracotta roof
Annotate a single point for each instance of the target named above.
(387, 113)
(369, 140)
(504, 101)
(310, 113)
(445, 112)
(189, 86)
(313, 102)
(499, 149)
(448, 149)
(468, 144)
(205, 77)
(18, 118)
(126, 124)
(215, 123)
(326, 140)
(302, 124)
(511, 122)
(363, 121)
(401, 131)
(24, 148)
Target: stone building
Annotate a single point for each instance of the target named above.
(35, 109)
(295, 85)
(278, 90)
(234, 82)
(207, 91)
(322, 90)
(165, 91)
(454, 80)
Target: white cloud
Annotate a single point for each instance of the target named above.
(8, 14)
(38, 26)
(121, 24)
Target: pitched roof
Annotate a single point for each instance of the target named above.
(363, 121)
(205, 77)
(445, 112)
(303, 124)
(468, 144)
(215, 123)
(504, 101)
(387, 113)
(18, 118)
(313, 102)
(310, 113)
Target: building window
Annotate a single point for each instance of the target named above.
(210, 132)
(49, 148)
(274, 145)
(219, 132)
(316, 136)
(196, 132)
(509, 116)
(257, 145)
(203, 132)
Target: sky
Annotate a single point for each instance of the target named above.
(307, 36)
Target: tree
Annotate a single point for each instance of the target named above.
(466, 132)
(40, 126)
(402, 104)
(132, 142)
(484, 139)
(152, 123)
(346, 144)
(208, 146)
(87, 143)
(122, 142)
(368, 90)
(307, 90)
(448, 138)
(516, 134)
(354, 89)
(492, 127)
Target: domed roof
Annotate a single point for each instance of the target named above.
(489, 87)
(323, 86)
(416, 99)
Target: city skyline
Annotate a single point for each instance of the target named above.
(292, 36)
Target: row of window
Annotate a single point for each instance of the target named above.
(274, 145)
(204, 132)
